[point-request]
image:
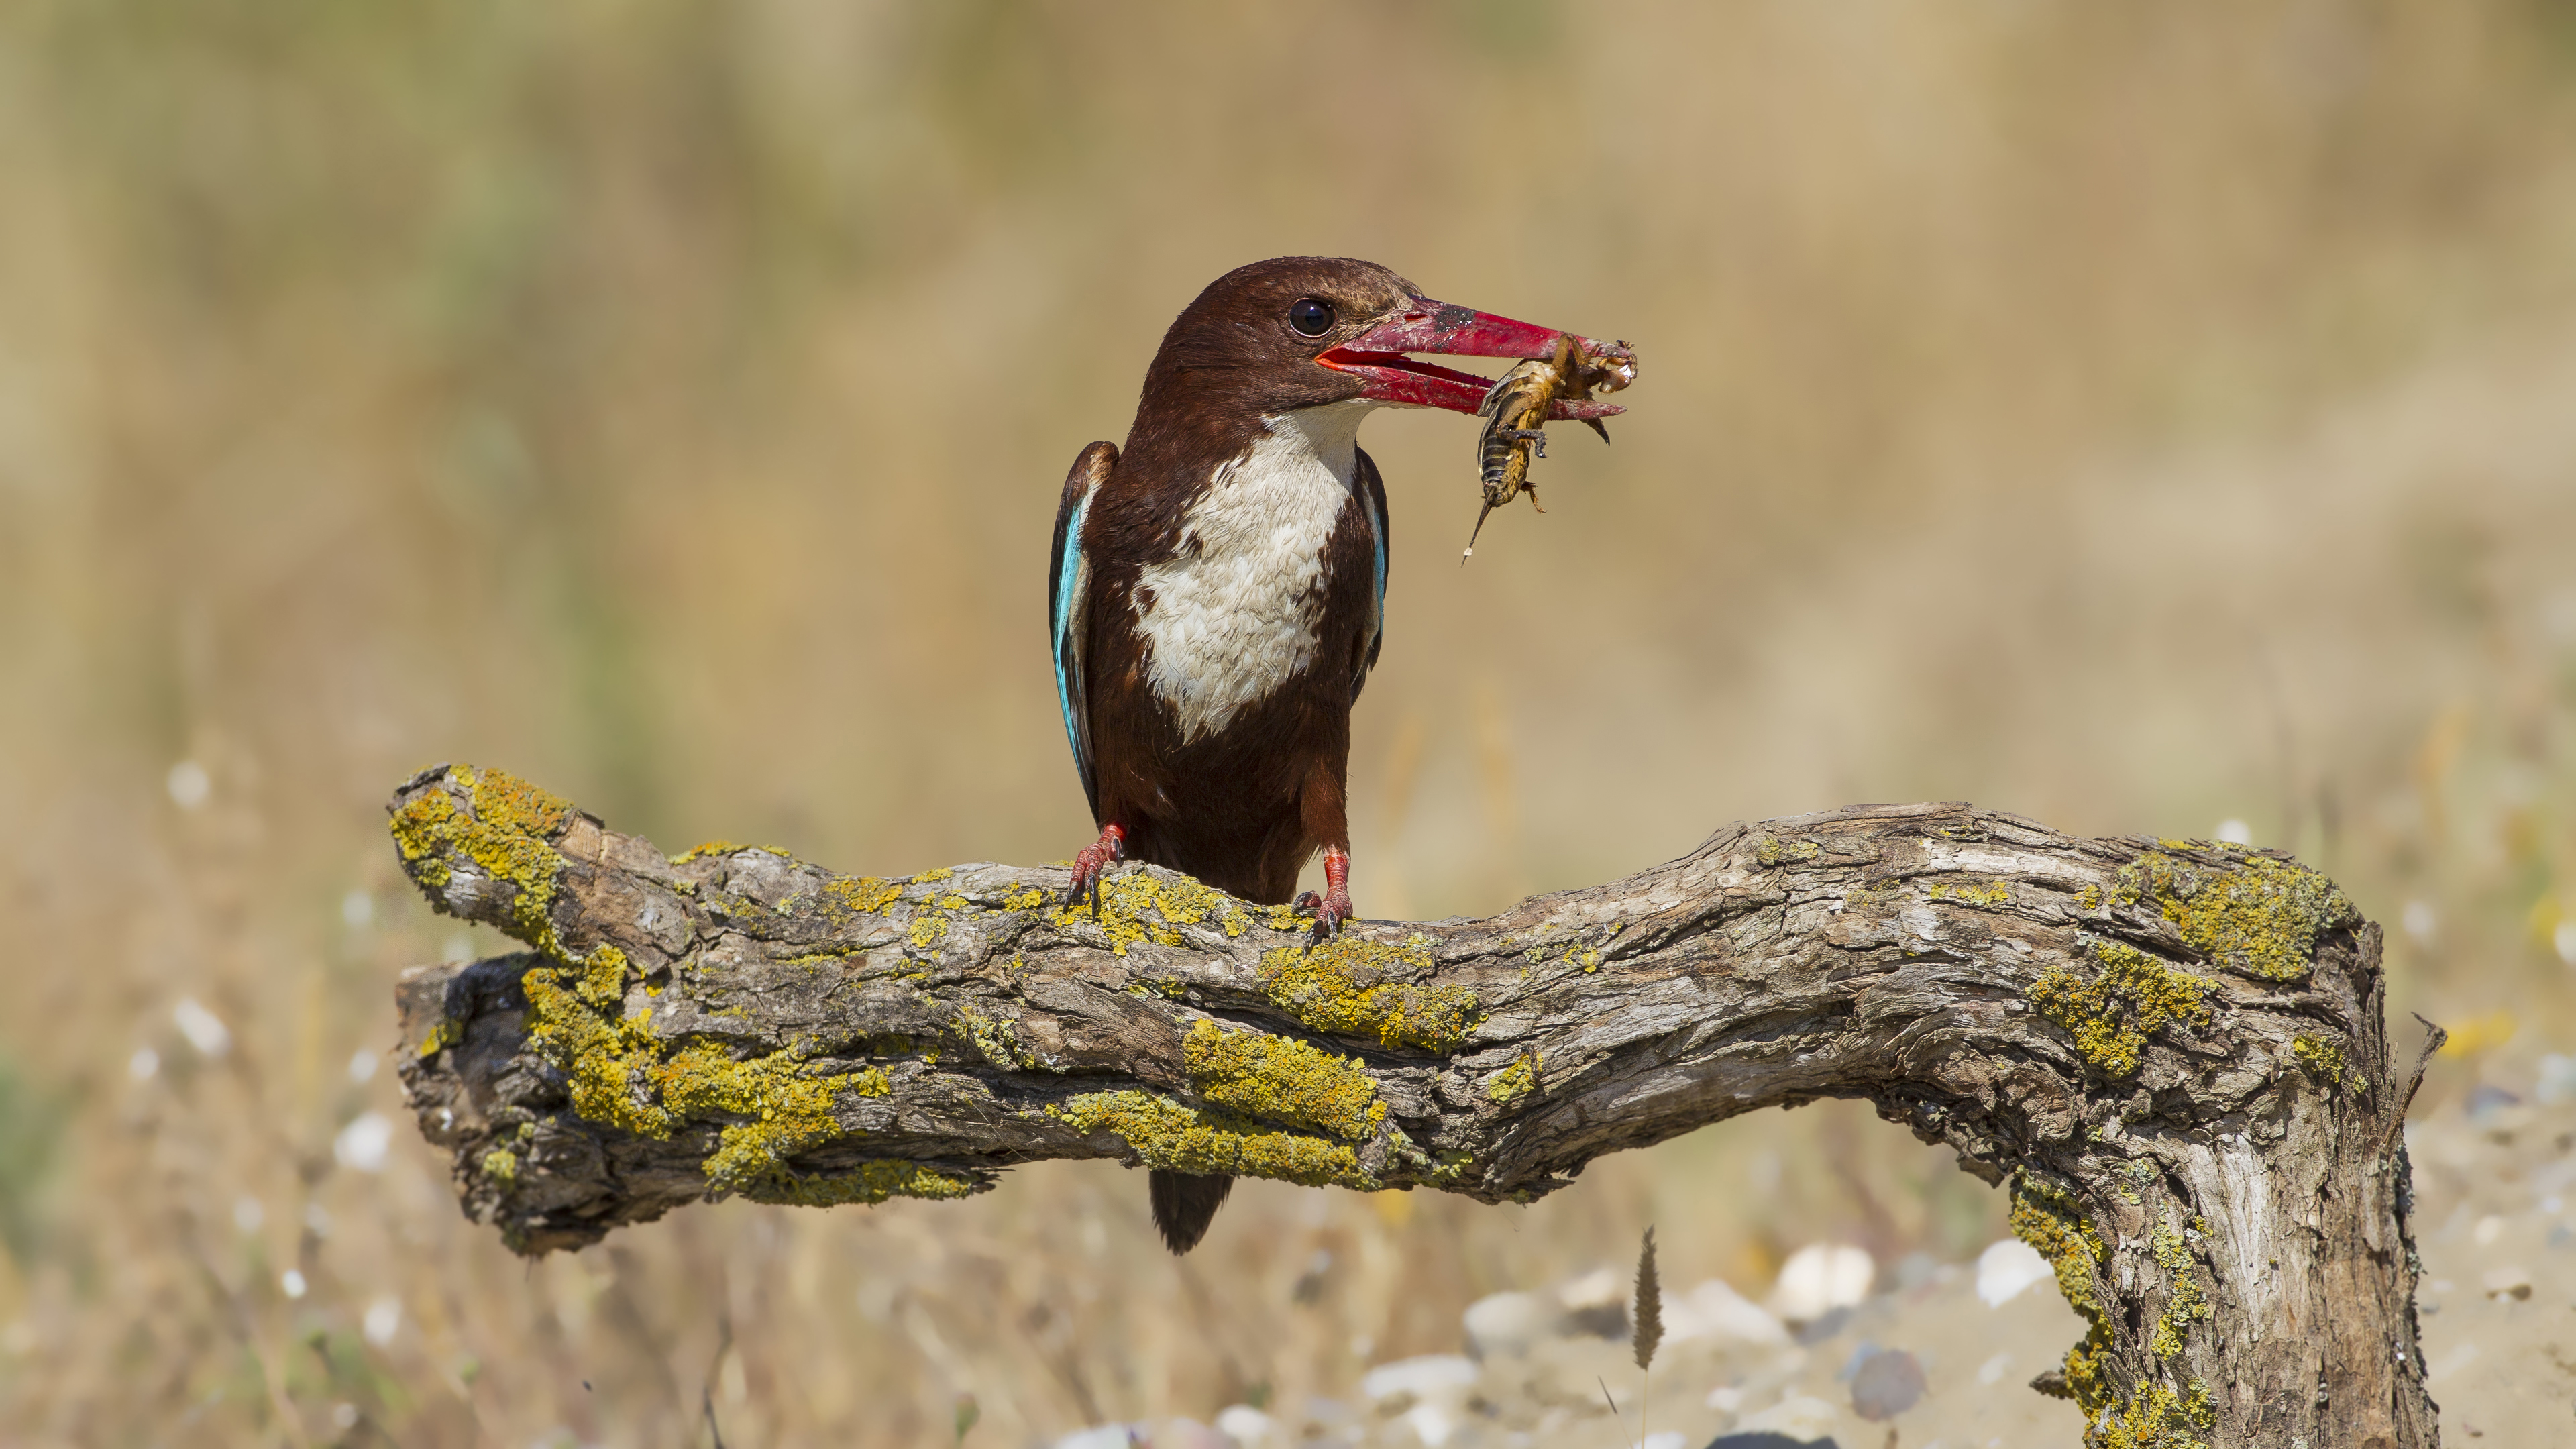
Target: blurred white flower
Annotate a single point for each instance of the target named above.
(291, 1283)
(2419, 920)
(2235, 832)
(1107, 1436)
(2564, 938)
(383, 1321)
(362, 1143)
(1715, 1310)
(1501, 1323)
(1992, 1370)
(344, 1416)
(1668, 1439)
(1430, 1423)
(2005, 1269)
(204, 1030)
(357, 910)
(317, 1221)
(143, 1064)
(459, 948)
(362, 1066)
(1798, 1417)
(188, 784)
(248, 1214)
(1246, 1425)
(1443, 1376)
(1820, 1278)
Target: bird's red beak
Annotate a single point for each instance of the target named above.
(1377, 357)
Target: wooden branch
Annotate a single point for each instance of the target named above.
(2171, 1054)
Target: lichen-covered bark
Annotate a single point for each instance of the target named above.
(2171, 1054)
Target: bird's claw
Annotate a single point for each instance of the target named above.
(1329, 910)
(1091, 863)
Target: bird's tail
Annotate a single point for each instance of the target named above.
(1184, 1204)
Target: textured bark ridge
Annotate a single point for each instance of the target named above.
(2170, 1054)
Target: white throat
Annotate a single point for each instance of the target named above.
(1232, 615)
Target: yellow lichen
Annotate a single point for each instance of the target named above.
(863, 895)
(505, 837)
(927, 876)
(447, 1033)
(1026, 898)
(1771, 850)
(1125, 898)
(1353, 987)
(2112, 1013)
(2049, 1219)
(997, 1040)
(871, 1183)
(2256, 914)
(2185, 1304)
(2321, 1055)
(1283, 1080)
(1515, 1081)
(619, 1075)
(2160, 1418)
(1993, 894)
(1176, 1138)
(502, 1166)
(791, 1110)
(926, 931)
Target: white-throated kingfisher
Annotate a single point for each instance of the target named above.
(1217, 589)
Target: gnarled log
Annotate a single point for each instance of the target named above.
(2170, 1053)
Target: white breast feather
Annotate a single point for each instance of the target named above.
(1232, 615)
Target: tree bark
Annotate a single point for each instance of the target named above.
(2170, 1053)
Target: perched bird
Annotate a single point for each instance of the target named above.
(1217, 589)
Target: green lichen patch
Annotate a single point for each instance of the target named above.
(2048, 1218)
(2257, 914)
(2321, 1055)
(2185, 1303)
(1281, 1079)
(1359, 988)
(2111, 1013)
(1168, 1135)
(871, 1183)
(507, 835)
(1515, 1081)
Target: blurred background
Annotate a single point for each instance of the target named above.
(2150, 419)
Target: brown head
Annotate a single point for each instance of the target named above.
(1298, 332)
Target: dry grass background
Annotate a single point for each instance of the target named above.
(2133, 415)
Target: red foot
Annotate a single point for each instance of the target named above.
(1334, 906)
(1092, 862)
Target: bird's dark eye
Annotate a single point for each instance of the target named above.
(1311, 318)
